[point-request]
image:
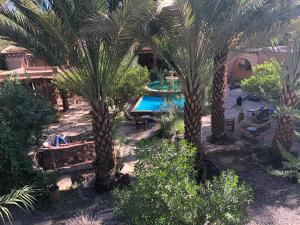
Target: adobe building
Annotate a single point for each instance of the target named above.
(30, 70)
(240, 65)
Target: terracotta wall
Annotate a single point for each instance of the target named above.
(254, 57)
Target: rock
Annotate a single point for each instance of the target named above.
(64, 183)
(128, 168)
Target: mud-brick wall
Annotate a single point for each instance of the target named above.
(72, 154)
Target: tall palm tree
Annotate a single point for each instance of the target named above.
(289, 71)
(182, 36)
(239, 21)
(89, 61)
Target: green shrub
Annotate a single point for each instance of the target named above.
(171, 123)
(24, 112)
(166, 193)
(23, 116)
(131, 85)
(265, 82)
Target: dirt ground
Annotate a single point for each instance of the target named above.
(277, 202)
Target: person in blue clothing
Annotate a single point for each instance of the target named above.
(59, 140)
(55, 141)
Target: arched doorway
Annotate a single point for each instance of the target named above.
(240, 70)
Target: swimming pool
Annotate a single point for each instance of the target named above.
(157, 104)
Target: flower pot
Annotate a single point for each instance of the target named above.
(53, 193)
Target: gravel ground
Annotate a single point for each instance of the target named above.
(277, 201)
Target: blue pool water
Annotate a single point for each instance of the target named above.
(156, 104)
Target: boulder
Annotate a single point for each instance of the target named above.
(64, 183)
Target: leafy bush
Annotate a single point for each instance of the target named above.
(24, 112)
(130, 86)
(166, 191)
(171, 123)
(22, 118)
(265, 82)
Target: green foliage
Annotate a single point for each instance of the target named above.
(166, 191)
(226, 198)
(62, 83)
(130, 86)
(265, 82)
(171, 123)
(22, 118)
(23, 198)
(167, 122)
(179, 125)
(24, 112)
(291, 164)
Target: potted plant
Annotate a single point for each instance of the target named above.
(52, 187)
(53, 193)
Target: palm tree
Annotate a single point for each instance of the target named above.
(238, 22)
(23, 198)
(178, 32)
(289, 71)
(88, 61)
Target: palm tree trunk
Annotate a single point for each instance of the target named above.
(286, 122)
(219, 94)
(65, 103)
(105, 158)
(285, 130)
(193, 107)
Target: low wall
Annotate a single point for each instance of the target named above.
(64, 156)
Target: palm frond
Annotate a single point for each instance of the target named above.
(291, 162)
(23, 198)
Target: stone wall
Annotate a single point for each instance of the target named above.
(66, 156)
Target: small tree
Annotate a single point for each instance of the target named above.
(265, 82)
(131, 85)
(24, 112)
(23, 116)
